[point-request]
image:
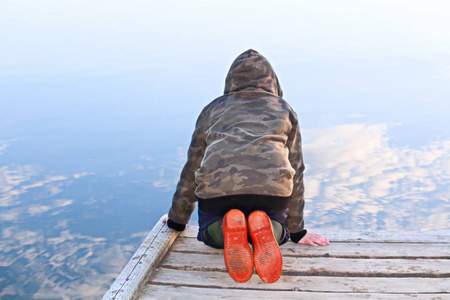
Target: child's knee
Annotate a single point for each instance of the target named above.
(278, 231)
(213, 234)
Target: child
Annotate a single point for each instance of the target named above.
(245, 166)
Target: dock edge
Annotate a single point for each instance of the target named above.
(142, 264)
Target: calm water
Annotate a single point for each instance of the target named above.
(82, 186)
(97, 105)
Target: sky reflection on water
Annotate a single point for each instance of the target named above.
(98, 101)
(71, 233)
(358, 181)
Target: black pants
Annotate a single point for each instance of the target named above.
(213, 209)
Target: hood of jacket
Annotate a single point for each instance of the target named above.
(251, 70)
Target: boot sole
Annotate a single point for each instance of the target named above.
(267, 255)
(237, 252)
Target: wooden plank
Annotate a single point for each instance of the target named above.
(323, 267)
(369, 236)
(187, 293)
(376, 264)
(139, 268)
(336, 249)
(305, 283)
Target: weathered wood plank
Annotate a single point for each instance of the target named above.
(139, 268)
(357, 265)
(323, 267)
(304, 283)
(336, 249)
(187, 293)
(365, 236)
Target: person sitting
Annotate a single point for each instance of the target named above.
(245, 169)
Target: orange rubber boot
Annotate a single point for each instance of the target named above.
(267, 255)
(238, 255)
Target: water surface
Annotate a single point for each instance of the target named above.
(98, 103)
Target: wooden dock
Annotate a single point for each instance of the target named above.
(357, 265)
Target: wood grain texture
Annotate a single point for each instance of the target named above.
(331, 266)
(356, 265)
(211, 279)
(132, 279)
(335, 249)
(188, 293)
(368, 236)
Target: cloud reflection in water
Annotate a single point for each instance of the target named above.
(355, 179)
(69, 235)
(41, 247)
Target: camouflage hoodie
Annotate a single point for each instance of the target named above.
(245, 142)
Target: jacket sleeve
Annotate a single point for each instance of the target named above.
(294, 221)
(183, 201)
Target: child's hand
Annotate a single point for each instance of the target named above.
(314, 240)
